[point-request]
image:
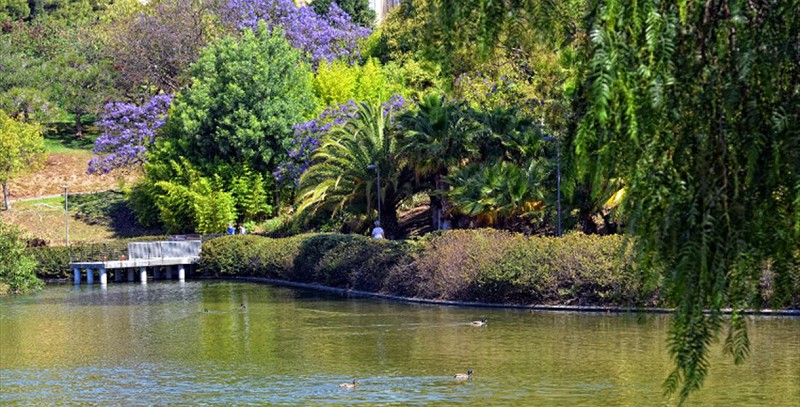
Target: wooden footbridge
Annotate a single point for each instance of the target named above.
(167, 256)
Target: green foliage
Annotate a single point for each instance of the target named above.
(479, 265)
(358, 10)
(250, 196)
(250, 255)
(68, 12)
(247, 92)
(696, 107)
(21, 150)
(16, 267)
(181, 197)
(213, 207)
(14, 10)
(346, 261)
(501, 194)
(372, 82)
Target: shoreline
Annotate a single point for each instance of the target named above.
(533, 307)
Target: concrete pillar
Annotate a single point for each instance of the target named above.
(168, 270)
(130, 275)
(181, 272)
(143, 275)
(103, 275)
(157, 273)
(76, 271)
(89, 275)
(118, 275)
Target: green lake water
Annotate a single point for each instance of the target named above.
(154, 344)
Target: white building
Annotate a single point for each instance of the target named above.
(382, 7)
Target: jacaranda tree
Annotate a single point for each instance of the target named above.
(320, 37)
(128, 131)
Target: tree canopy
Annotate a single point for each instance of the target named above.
(246, 95)
(21, 149)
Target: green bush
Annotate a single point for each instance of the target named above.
(462, 265)
(16, 267)
(347, 261)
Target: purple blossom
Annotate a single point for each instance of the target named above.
(128, 130)
(320, 37)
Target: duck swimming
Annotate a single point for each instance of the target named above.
(463, 376)
(482, 322)
(349, 385)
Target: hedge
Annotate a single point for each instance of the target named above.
(462, 265)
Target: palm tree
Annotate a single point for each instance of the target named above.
(340, 176)
(438, 137)
(501, 194)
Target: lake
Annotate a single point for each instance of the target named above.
(230, 343)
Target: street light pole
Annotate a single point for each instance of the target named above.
(66, 213)
(378, 171)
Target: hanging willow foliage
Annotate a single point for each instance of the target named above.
(696, 106)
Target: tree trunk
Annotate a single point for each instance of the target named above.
(389, 221)
(78, 125)
(5, 195)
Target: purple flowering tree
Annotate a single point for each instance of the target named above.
(326, 37)
(128, 131)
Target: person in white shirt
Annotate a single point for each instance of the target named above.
(377, 231)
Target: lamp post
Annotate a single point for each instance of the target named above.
(378, 171)
(558, 179)
(66, 212)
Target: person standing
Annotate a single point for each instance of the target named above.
(231, 230)
(377, 231)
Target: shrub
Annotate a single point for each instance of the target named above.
(346, 261)
(461, 265)
(16, 267)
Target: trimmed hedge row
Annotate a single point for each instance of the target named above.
(461, 265)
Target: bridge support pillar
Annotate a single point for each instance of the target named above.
(156, 273)
(181, 272)
(130, 275)
(143, 275)
(76, 272)
(89, 275)
(103, 275)
(168, 272)
(118, 275)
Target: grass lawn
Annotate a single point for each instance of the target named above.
(92, 218)
(45, 219)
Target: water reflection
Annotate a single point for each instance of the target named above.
(155, 344)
